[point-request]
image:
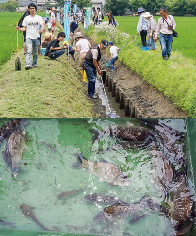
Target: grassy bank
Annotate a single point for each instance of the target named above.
(51, 90)
(175, 78)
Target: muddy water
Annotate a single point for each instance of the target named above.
(48, 171)
(112, 108)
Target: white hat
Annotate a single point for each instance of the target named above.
(147, 14)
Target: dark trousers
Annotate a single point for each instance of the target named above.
(91, 76)
(143, 35)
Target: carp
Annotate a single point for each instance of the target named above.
(169, 138)
(7, 128)
(120, 210)
(28, 212)
(182, 204)
(101, 198)
(106, 171)
(14, 149)
(69, 193)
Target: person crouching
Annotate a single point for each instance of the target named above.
(113, 54)
(54, 50)
(91, 64)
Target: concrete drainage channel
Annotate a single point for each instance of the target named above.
(116, 102)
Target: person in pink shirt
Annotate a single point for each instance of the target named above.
(165, 27)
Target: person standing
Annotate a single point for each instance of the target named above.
(111, 19)
(151, 29)
(142, 26)
(31, 24)
(166, 25)
(82, 46)
(91, 64)
(73, 30)
(27, 13)
(99, 15)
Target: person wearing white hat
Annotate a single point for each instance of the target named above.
(151, 29)
(142, 27)
(82, 46)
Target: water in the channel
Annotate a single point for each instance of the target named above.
(47, 171)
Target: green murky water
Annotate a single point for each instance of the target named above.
(46, 172)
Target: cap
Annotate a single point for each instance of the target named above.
(78, 35)
(111, 43)
(104, 42)
(140, 9)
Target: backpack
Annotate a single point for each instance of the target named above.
(22, 18)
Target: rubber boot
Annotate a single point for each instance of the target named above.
(82, 74)
(91, 90)
(84, 77)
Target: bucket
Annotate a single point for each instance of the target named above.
(43, 50)
(145, 48)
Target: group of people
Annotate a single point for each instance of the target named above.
(165, 26)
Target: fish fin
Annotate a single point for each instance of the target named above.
(7, 158)
(81, 159)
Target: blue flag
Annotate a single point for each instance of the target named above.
(66, 20)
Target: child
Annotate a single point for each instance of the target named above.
(114, 54)
(70, 49)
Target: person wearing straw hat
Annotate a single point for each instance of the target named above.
(151, 29)
(82, 46)
(91, 64)
(31, 24)
(142, 26)
(46, 39)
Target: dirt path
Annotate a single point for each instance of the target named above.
(150, 102)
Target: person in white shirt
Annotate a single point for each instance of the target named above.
(34, 26)
(151, 29)
(142, 26)
(113, 54)
(82, 46)
(99, 15)
(166, 25)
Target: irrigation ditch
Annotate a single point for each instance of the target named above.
(128, 95)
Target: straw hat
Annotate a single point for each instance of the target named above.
(147, 14)
(78, 35)
(47, 35)
(53, 9)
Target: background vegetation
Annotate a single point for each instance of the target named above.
(175, 7)
(10, 6)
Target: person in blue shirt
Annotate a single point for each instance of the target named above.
(73, 29)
